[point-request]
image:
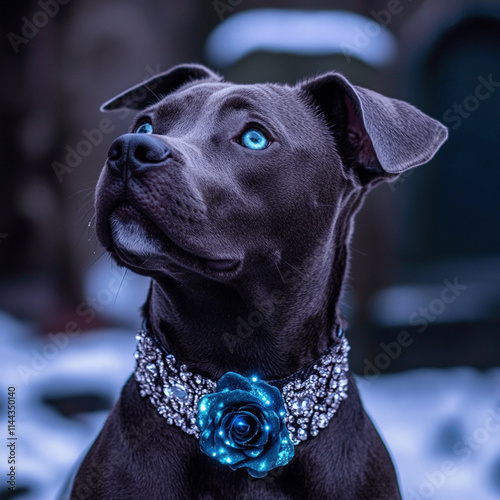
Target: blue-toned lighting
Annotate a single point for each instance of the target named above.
(253, 138)
(300, 31)
(246, 424)
(144, 128)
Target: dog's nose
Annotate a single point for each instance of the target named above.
(133, 152)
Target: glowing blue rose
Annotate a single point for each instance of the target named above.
(242, 425)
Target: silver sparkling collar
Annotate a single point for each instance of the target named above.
(312, 395)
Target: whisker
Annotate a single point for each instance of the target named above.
(95, 246)
(86, 205)
(154, 93)
(89, 210)
(279, 271)
(90, 225)
(359, 251)
(87, 226)
(87, 191)
(95, 260)
(145, 261)
(120, 286)
(294, 268)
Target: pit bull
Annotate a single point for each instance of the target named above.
(238, 201)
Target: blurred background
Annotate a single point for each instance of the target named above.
(423, 299)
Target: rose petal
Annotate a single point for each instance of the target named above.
(253, 452)
(207, 441)
(224, 431)
(257, 473)
(204, 410)
(271, 426)
(259, 439)
(287, 449)
(269, 395)
(254, 427)
(267, 459)
(214, 446)
(231, 457)
(233, 381)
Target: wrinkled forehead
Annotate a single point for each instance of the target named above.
(219, 100)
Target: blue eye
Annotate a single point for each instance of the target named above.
(144, 128)
(253, 138)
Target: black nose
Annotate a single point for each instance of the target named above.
(133, 152)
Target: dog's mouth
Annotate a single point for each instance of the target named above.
(137, 238)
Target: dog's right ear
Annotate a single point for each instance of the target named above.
(152, 90)
(382, 137)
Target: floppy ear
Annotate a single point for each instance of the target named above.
(150, 91)
(383, 136)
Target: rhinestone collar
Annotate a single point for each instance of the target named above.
(312, 395)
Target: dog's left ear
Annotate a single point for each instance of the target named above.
(383, 136)
(150, 91)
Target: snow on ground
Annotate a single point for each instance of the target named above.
(442, 426)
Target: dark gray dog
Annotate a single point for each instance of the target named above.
(238, 201)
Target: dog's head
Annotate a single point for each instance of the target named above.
(221, 181)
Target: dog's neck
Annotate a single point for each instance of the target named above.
(196, 326)
(271, 323)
